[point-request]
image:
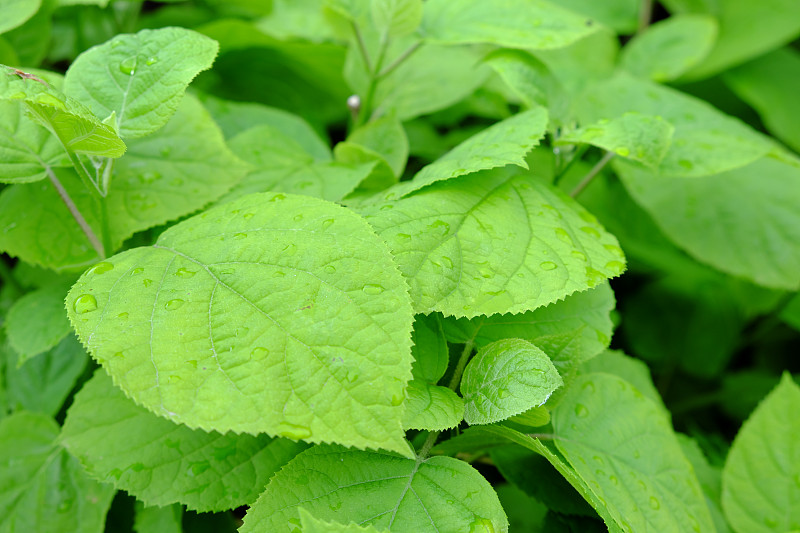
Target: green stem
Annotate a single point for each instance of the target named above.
(366, 105)
(592, 173)
(645, 15)
(105, 227)
(462, 363)
(575, 157)
(80, 168)
(400, 59)
(361, 46)
(8, 278)
(76, 214)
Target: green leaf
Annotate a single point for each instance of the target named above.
(27, 150)
(642, 138)
(533, 417)
(620, 15)
(315, 525)
(791, 312)
(431, 407)
(69, 120)
(632, 370)
(455, 244)
(158, 519)
(760, 488)
(670, 47)
(405, 495)
(710, 478)
(506, 378)
(43, 383)
(705, 140)
(769, 84)
(37, 321)
(429, 348)
(622, 446)
(748, 226)
(504, 143)
(297, 18)
(32, 39)
(396, 18)
(384, 136)
(162, 463)
(140, 77)
(510, 24)
(16, 12)
(43, 488)
(228, 295)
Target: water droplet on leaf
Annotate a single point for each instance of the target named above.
(373, 289)
(259, 353)
(293, 431)
(581, 411)
(548, 265)
(174, 304)
(128, 66)
(85, 303)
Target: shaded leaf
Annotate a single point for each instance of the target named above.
(16, 12)
(37, 321)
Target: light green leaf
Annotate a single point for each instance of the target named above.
(588, 60)
(384, 136)
(44, 382)
(429, 349)
(710, 478)
(621, 444)
(69, 120)
(431, 407)
(43, 488)
(508, 23)
(506, 378)
(396, 17)
(16, 12)
(533, 417)
(504, 143)
(642, 138)
(705, 140)
(315, 525)
(760, 488)
(242, 291)
(27, 150)
(748, 226)
(489, 243)
(632, 370)
(405, 495)
(769, 84)
(37, 321)
(141, 77)
(158, 519)
(381, 176)
(297, 18)
(162, 463)
(670, 47)
(620, 15)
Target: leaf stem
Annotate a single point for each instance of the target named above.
(361, 46)
(645, 15)
(592, 173)
(400, 59)
(575, 157)
(427, 445)
(76, 214)
(462, 363)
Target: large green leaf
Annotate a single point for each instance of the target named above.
(506, 378)
(162, 463)
(744, 221)
(532, 24)
(294, 291)
(16, 12)
(158, 519)
(705, 140)
(140, 77)
(621, 444)
(43, 488)
(761, 477)
(710, 478)
(439, 494)
(491, 243)
(75, 126)
(37, 321)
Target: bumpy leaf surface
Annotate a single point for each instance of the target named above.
(431, 407)
(490, 243)
(162, 463)
(273, 313)
(439, 494)
(37, 322)
(27, 150)
(43, 488)
(315, 525)
(506, 378)
(140, 77)
(621, 444)
(761, 477)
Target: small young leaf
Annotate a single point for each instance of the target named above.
(162, 463)
(533, 417)
(158, 519)
(140, 77)
(384, 136)
(315, 525)
(43, 488)
(16, 12)
(642, 138)
(37, 321)
(405, 495)
(396, 18)
(429, 349)
(506, 378)
(242, 291)
(431, 407)
(761, 477)
(490, 243)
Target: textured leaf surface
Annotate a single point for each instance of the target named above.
(504, 143)
(75, 125)
(272, 313)
(315, 525)
(761, 477)
(162, 463)
(506, 378)
(16, 12)
(705, 140)
(43, 488)
(670, 47)
(386, 491)
(744, 222)
(642, 138)
(27, 150)
(140, 77)
(489, 243)
(634, 371)
(37, 321)
(623, 447)
(431, 407)
(508, 23)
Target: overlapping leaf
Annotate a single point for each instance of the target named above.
(37, 322)
(16, 12)
(27, 150)
(158, 519)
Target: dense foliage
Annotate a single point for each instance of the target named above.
(394, 265)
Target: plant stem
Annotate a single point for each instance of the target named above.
(76, 214)
(645, 14)
(361, 46)
(575, 157)
(399, 60)
(82, 171)
(427, 445)
(462, 363)
(591, 174)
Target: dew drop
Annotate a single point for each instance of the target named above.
(151, 61)
(685, 163)
(398, 399)
(259, 353)
(404, 236)
(591, 231)
(614, 249)
(227, 271)
(137, 271)
(174, 379)
(123, 316)
(447, 262)
(293, 431)
(101, 268)
(373, 289)
(248, 216)
(615, 266)
(174, 304)
(624, 151)
(278, 274)
(198, 468)
(440, 226)
(192, 363)
(486, 273)
(147, 282)
(327, 223)
(579, 255)
(589, 386)
(481, 525)
(593, 277)
(329, 269)
(240, 236)
(654, 503)
(297, 218)
(548, 265)
(581, 411)
(128, 66)
(185, 273)
(503, 393)
(387, 207)
(85, 303)
(352, 375)
(278, 197)
(289, 250)
(563, 235)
